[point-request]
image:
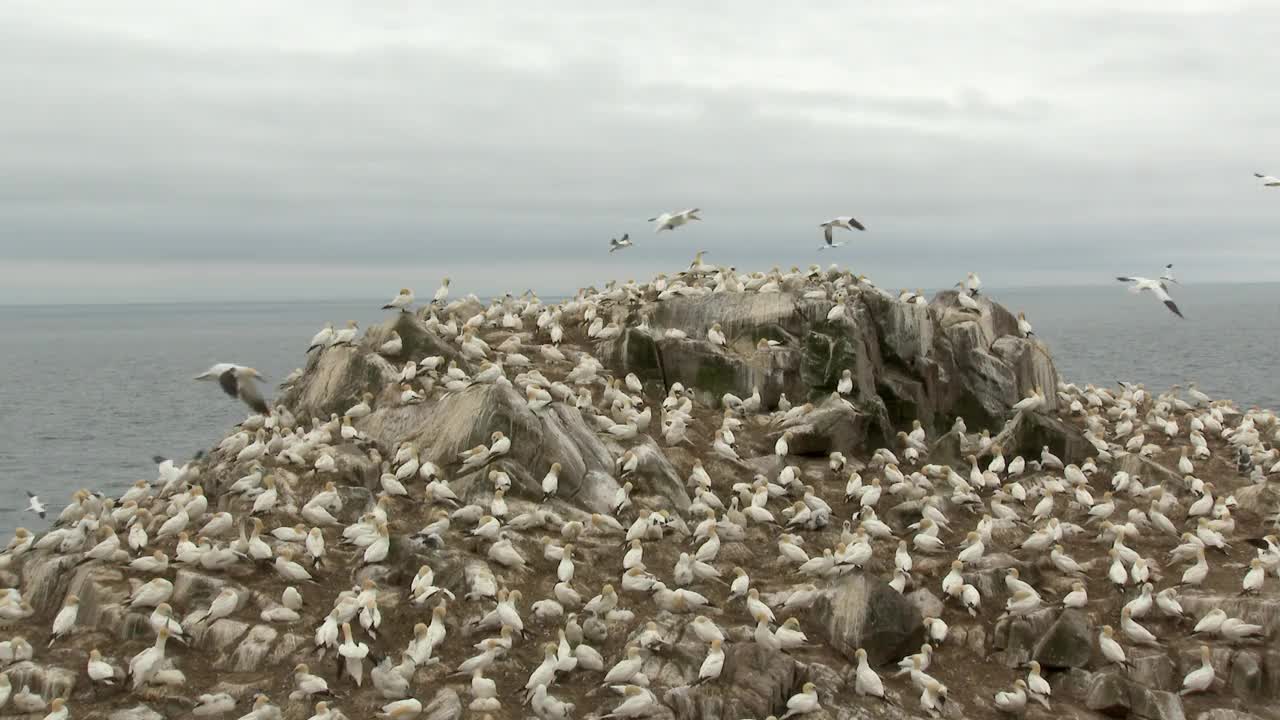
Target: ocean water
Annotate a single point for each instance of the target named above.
(90, 393)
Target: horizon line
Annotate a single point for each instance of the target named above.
(554, 295)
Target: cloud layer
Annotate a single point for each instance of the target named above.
(157, 150)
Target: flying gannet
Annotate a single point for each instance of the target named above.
(238, 382)
(844, 221)
(34, 505)
(1157, 287)
(1268, 180)
(671, 221)
(615, 244)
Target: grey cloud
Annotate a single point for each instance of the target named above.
(434, 135)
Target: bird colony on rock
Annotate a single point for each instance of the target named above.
(490, 523)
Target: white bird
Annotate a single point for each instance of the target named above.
(322, 339)
(35, 506)
(400, 302)
(1156, 287)
(1015, 701)
(58, 710)
(1200, 679)
(803, 702)
(213, 705)
(866, 681)
(1268, 180)
(442, 293)
(615, 244)
(1111, 649)
(625, 670)
(239, 381)
(671, 221)
(401, 709)
(713, 663)
(66, 619)
(353, 653)
(844, 221)
(99, 670)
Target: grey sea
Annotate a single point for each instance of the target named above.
(90, 393)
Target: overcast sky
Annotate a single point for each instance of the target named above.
(317, 149)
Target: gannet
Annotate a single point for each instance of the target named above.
(671, 221)
(1024, 325)
(35, 506)
(803, 702)
(844, 221)
(322, 339)
(66, 618)
(58, 710)
(713, 663)
(615, 244)
(442, 293)
(1268, 180)
(99, 670)
(1200, 679)
(402, 301)
(144, 666)
(238, 382)
(1157, 287)
(1111, 649)
(1015, 701)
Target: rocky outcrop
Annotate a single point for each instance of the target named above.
(862, 612)
(1067, 644)
(754, 681)
(907, 362)
(1115, 695)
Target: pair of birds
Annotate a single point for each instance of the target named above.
(671, 221)
(404, 299)
(665, 221)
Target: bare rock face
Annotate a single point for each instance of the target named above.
(753, 683)
(1226, 714)
(1068, 642)
(139, 712)
(907, 361)
(866, 613)
(835, 425)
(1117, 696)
(1027, 434)
(445, 705)
(1016, 636)
(559, 434)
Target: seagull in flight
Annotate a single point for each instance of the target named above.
(1268, 180)
(615, 244)
(844, 221)
(1156, 287)
(238, 382)
(34, 505)
(671, 221)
